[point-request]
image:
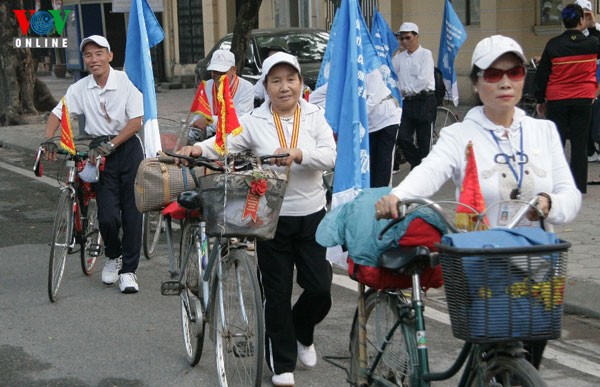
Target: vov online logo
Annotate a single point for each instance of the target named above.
(42, 23)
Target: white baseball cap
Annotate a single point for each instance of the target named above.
(221, 61)
(278, 58)
(99, 40)
(493, 47)
(408, 27)
(585, 4)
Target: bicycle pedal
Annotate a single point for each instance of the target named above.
(171, 288)
(94, 249)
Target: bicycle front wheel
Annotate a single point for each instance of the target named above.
(62, 236)
(443, 117)
(192, 321)
(239, 323)
(91, 242)
(153, 223)
(393, 367)
(506, 371)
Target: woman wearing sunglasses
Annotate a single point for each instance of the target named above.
(517, 156)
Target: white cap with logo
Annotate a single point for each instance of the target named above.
(278, 58)
(585, 4)
(221, 61)
(408, 27)
(97, 39)
(492, 48)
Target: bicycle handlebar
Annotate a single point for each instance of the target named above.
(403, 210)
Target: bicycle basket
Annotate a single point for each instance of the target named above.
(230, 209)
(503, 294)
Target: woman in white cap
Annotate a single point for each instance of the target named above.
(286, 123)
(517, 156)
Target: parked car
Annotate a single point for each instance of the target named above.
(308, 44)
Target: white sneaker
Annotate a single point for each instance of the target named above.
(594, 158)
(110, 273)
(285, 379)
(128, 283)
(307, 355)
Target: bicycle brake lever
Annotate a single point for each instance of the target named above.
(38, 168)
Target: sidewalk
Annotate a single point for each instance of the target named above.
(582, 294)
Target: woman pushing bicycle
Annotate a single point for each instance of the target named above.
(286, 124)
(517, 157)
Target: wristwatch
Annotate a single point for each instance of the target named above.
(112, 146)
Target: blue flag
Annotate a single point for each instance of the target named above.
(144, 32)
(453, 36)
(386, 43)
(352, 54)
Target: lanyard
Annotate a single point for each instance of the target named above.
(233, 87)
(522, 160)
(280, 132)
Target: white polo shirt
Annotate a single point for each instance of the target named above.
(415, 71)
(107, 110)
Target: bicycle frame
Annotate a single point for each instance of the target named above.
(410, 318)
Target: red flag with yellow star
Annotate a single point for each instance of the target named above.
(200, 104)
(470, 195)
(228, 121)
(66, 131)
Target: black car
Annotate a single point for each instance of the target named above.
(308, 44)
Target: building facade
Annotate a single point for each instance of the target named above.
(193, 26)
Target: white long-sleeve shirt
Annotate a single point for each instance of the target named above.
(546, 169)
(414, 71)
(304, 194)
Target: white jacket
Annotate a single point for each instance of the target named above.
(305, 193)
(546, 170)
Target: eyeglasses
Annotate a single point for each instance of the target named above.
(493, 75)
(403, 38)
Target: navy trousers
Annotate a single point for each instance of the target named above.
(116, 204)
(381, 150)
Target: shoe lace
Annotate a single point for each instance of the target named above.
(129, 277)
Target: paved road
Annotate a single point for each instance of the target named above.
(95, 336)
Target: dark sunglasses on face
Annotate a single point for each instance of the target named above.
(403, 38)
(493, 75)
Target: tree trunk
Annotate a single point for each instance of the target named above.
(19, 86)
(246, 20)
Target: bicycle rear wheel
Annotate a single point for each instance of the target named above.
(506, 371)
(444, 117)
(153, 223)
(62, 236)
(192, 321)
(394, 367)
(239, 324)
(91, 242)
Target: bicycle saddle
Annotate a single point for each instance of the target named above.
(402, 256)
(190, 200)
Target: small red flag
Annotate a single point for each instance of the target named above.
(470, 195)
(200, 104)
(228, 121)
(306, 93)
(66, 131)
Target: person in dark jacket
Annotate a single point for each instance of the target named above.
(565, 87)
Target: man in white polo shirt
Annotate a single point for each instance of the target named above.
(113, 109)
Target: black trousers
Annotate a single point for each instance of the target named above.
(116, 204)
(573, 122)
(418, 116)
(381, 150)
(294, 244)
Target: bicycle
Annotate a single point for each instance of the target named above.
(215, 281)
(528, 102)
(443, 117)
(76, 219)
(174, 134)
(388, 341)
